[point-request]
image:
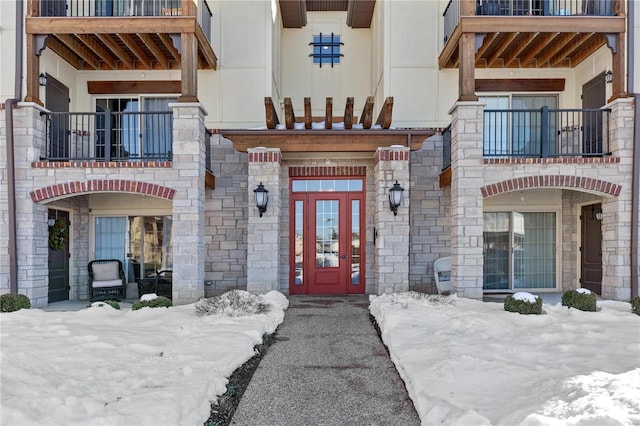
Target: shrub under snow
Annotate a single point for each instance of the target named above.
(581, 299)
(523, 303)
(234, 303)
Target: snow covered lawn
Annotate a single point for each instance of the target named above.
(466, 362)
(101, 366)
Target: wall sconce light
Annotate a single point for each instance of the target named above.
(608, 77)
(42, 79)
(599, 215)
(262, 198)
(51, 221)
(395, 197)
(596, 214)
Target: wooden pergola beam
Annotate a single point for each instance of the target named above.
(270, 113)
(503, 46)
(289, 115)
(348, 114)
(168, 43)
(328, 114)
(64, 52)
(386, 112)
(366, 118)
(307, 113)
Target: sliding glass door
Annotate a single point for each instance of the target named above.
(519, 250)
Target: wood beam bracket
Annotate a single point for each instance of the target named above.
(177, 42)
(612, 42)
(41, 43)
(479, 40)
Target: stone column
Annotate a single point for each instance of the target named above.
(616, 220)
(263, 238)
(32, 230)
(188, 202)
(466, 199)
(392, 232)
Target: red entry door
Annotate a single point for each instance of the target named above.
(325, 255)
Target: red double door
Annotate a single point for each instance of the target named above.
(327, 245)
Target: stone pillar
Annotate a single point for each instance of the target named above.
(263, 238)
(188, 202)
(616, 220)
(466, 199)
(392, 232)
(32, 231)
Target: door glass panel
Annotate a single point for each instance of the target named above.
(534, 258)
(327, 243)
(299, 242)
(496, 251)
(110, 238)
(355, 242)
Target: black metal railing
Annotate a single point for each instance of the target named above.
(204, 18)
(446, 148)
(207, 149)
(527, 8)
(87, 8)
(546, 132)
(108, 136)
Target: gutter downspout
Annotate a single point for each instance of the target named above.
(635, 182)
(11, 181)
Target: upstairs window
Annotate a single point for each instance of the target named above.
(326, 49)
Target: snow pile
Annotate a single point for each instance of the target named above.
(525, 297)
(582, 290)
(237, 303)
(110, 367)
(472, 363)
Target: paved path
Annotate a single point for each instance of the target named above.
(327, 367)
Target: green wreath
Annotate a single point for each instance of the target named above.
(58, 234)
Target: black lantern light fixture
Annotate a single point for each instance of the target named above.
(262, 198)
(395, 197)
(42, 79)
(608, 77)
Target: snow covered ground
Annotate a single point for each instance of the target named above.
(471, 363)
(464, 363)
(101, 366)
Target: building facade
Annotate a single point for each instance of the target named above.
(145, 131)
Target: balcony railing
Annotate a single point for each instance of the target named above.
(527, 8)
(546, 132)
(108, 136)
(107, 8)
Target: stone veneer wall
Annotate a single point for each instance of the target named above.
(430, 215)
(226, 219)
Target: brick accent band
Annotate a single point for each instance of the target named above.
(100, 164)
(312, 171)
(93, 186)
(559, 160)
(547, 181)
(265, 157)
(391, 155)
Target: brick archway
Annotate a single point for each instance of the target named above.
(551, 181)
(93, 186)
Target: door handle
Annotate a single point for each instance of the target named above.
(344, 256)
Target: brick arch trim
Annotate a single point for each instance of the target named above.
(79, 187)
(551, 181)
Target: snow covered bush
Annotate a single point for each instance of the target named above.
(151, 301)
(14, 302)
(581, 299)
(112, 303)
(234, 303)
(635, 305)
(523, 303)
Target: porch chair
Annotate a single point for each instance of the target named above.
(164, 283)
(106, 280)
(442, 274)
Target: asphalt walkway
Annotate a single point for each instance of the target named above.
(328, 367)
